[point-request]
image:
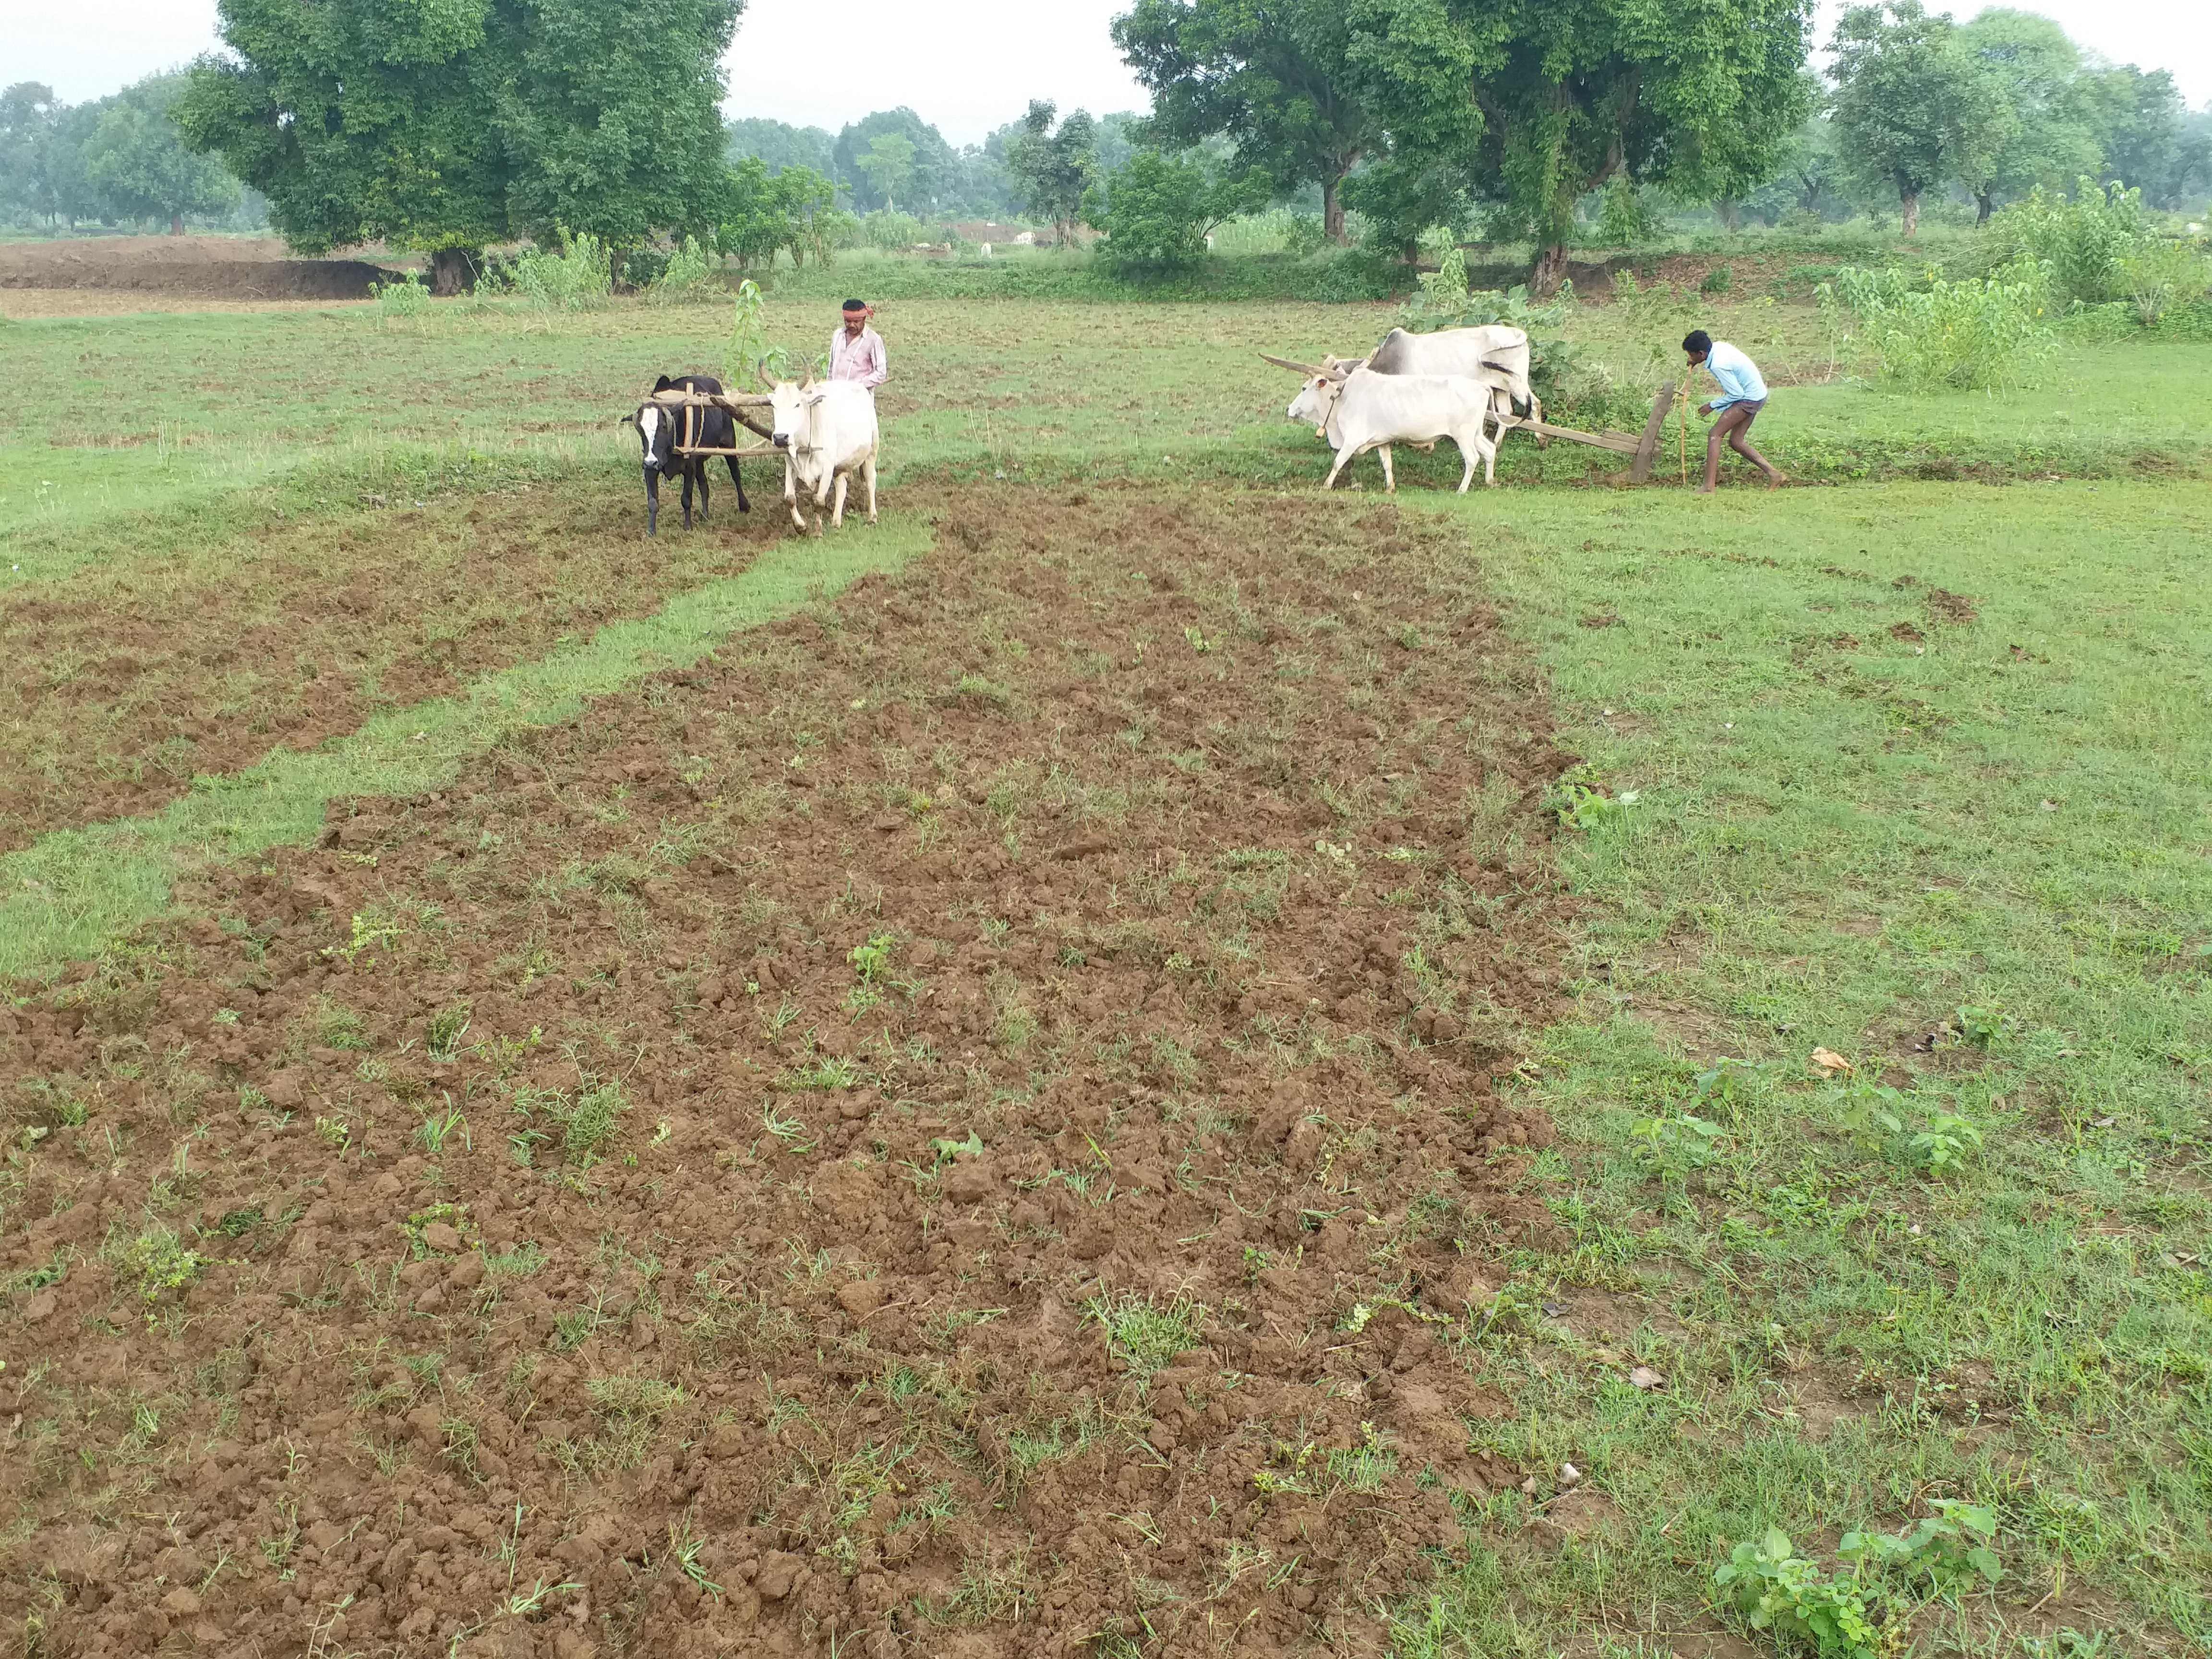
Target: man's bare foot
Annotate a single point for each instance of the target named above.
(1776, 480)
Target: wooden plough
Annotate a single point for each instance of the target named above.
(1645, 449)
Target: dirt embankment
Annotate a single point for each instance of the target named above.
(967, 1129)
(211, 267)
(118, 691)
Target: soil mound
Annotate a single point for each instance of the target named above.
(964, 1125)
(214, 267)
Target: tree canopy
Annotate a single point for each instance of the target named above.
(931, 170)
(779, 145)
(1052, 168)
(1274, 77)
(1532, 104)
(445, 125)
(137, 160)
(1915, 106)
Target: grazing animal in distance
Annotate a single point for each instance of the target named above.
(1358, 409)
(661, 429)
(827, 432)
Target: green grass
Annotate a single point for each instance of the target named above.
(70, 893)
(2000, 829)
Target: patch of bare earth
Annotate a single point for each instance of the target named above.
(978, 1138)
(119, 688)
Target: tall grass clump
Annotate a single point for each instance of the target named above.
(403, 301)
(1278, 230)
(576, 278)
(2161, 275)
(2085, 243)
(686, 279)
(1979, 333)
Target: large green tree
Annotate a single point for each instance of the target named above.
(1274, 77)
(2050, 141)
(137, 160)
(2144, 129)
(445, 124)
(1915, 107)
(1051, 166)
(932, 170)
(1540, 102)
(30, 120)
(780, 145)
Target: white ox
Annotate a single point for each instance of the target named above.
(1497, 350)
(827, 432)
(1360, 409)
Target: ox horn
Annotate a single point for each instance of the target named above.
(1297, 368)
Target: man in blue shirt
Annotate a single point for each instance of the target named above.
(1743, 394)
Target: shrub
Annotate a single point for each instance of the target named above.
(405, 301)
(2160, 274)
(577, 279)
(2085, 243)
(1280, 230)
(1978, 332)
(1158, 210)
(687, 275)
(890, 230)
(1717, 280)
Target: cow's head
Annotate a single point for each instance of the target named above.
(1316, 402)
(791, 407)
(656, 432)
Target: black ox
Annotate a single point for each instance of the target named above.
(661, 428)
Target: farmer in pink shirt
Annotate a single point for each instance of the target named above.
(856, 351)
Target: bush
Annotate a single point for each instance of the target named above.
(576, 279)
(686, 276)
(2086, 242)
(890, 230)
(1718, 280)
(1979, 333)
(1158, 210)
(405, 301)
(2160, 274)
(1280, 230)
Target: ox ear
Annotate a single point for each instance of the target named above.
(663, 384)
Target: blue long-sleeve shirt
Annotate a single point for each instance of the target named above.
(1738, 376)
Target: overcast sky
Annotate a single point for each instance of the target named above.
(966, 65)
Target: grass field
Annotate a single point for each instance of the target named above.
(500, 1083)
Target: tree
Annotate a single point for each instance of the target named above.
(1539, 102)
(1273, 75)
(1157, 210)
(887, 164)
(1914, 107)
(1051, 170)
(765, 213)
(30, 120)
(2138, 119)
(1809, 178)
(2050, 142)
(447, 124)
(780, 145)
(137, 161)
(934, 163)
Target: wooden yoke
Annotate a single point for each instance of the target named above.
(737, 408)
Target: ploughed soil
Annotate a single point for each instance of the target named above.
(212, 267)
(965, 1126)
(119, 686)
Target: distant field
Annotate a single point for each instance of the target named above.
(1130, 1061)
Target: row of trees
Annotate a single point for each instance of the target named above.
(1998, 106)
(115, 160)
(895, 160)
(1513, 112)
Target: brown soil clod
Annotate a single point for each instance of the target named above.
(652, 1208)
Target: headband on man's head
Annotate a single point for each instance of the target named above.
(856, 305)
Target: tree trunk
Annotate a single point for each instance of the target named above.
(1984, 206)
(1331, 209)
(452, 271)
(1730, 210)
(1910, 201)
(176, 224)
(1551, 270)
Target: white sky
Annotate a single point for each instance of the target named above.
(966, 65)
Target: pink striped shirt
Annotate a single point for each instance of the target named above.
(863, 359)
